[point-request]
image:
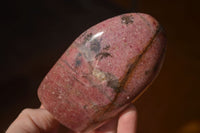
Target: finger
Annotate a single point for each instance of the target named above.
(42, 107)
(127, 120)
(33, 121)
(61, 128)
(108, 127)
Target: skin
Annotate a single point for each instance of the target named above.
(41, 121)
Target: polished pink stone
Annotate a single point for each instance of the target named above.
(103, 70)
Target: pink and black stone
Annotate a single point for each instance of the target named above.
(104, 69)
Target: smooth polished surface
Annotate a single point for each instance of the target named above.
(32, 44)
(103, 70)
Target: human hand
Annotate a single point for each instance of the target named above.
(41, 121)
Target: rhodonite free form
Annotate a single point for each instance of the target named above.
(103, 70)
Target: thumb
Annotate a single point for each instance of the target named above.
(34, 121)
